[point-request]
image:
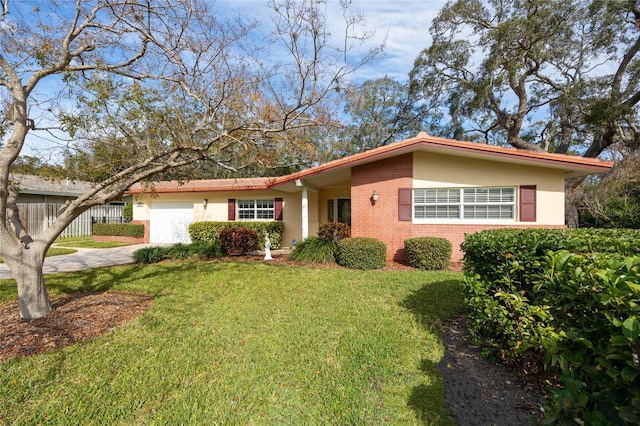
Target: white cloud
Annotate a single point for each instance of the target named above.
(404, 23)
(406, 26)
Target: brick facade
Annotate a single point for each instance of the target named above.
(114, 238)
(147, 234)
(380, 220)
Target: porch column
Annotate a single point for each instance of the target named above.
(305, 213)
(305, 209)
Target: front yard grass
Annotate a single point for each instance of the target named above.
(246, 343)
(87, 242)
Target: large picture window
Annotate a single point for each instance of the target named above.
(255, 209)
(464, 203)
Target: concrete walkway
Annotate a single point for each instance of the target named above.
(84, 258)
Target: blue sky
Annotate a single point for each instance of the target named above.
(404, 23)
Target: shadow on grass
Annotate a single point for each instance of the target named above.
(151, 278)
(432, 305)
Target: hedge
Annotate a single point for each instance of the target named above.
(566, 304)
(199, 250)
(210, 231)
(361, 253)
(118, 229)
(428, 253)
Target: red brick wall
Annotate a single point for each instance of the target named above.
(147, 236)
(380, 220)
(111, 238)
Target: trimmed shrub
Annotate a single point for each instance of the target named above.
(428, 253)
(199, 250)
(179, 251)
(205, 251)
(210, 231)
(595, 303)
(334, 231)
(127, 212)
(118, 229)
(150, 254)
(238, 241)
(564, 303)
(314, 250)
(361, 253)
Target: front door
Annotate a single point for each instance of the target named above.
(344, 210)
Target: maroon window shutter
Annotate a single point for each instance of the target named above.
(277, 209)
(527, 203)
(231, 204)
(404, 203)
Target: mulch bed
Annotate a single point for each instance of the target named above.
(75, 318)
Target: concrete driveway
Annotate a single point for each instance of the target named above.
(84, 258)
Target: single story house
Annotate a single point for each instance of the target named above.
(422, 186)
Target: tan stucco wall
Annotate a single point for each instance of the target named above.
(217, 202)
(444, 171)
(333, 192)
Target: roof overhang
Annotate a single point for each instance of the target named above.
(573, 166)
(334, 172)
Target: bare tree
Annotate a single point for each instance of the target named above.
(155, 85)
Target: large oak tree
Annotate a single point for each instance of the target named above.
(547, 75)
(154, 86)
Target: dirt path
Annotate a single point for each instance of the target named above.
(480, 393)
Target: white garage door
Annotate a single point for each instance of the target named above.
(170, 222)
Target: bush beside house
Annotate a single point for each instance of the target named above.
(428, 253)
(209, 231)
(361, 253)
(565, 303)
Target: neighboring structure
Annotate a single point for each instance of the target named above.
(41, 199)
(423, 186)
(36, 189)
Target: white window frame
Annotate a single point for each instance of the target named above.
(458, 200)
(257, 207)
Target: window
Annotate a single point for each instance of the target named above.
(255, 209)
(464, 203)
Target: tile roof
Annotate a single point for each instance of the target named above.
(574, 164)
(425, 141)
(208, 185)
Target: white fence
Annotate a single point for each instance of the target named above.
(36, 217)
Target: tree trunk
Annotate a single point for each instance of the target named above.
(572, 219)
(33, 300)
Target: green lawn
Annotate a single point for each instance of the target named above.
(246, 343)
(87, 242)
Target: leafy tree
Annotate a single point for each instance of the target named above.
(613, 201)
(546, 75)
(149, 87)
(379, 112)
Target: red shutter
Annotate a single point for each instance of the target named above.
(527, 203)
(404, 204)
(277, 207)
(231, 204)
